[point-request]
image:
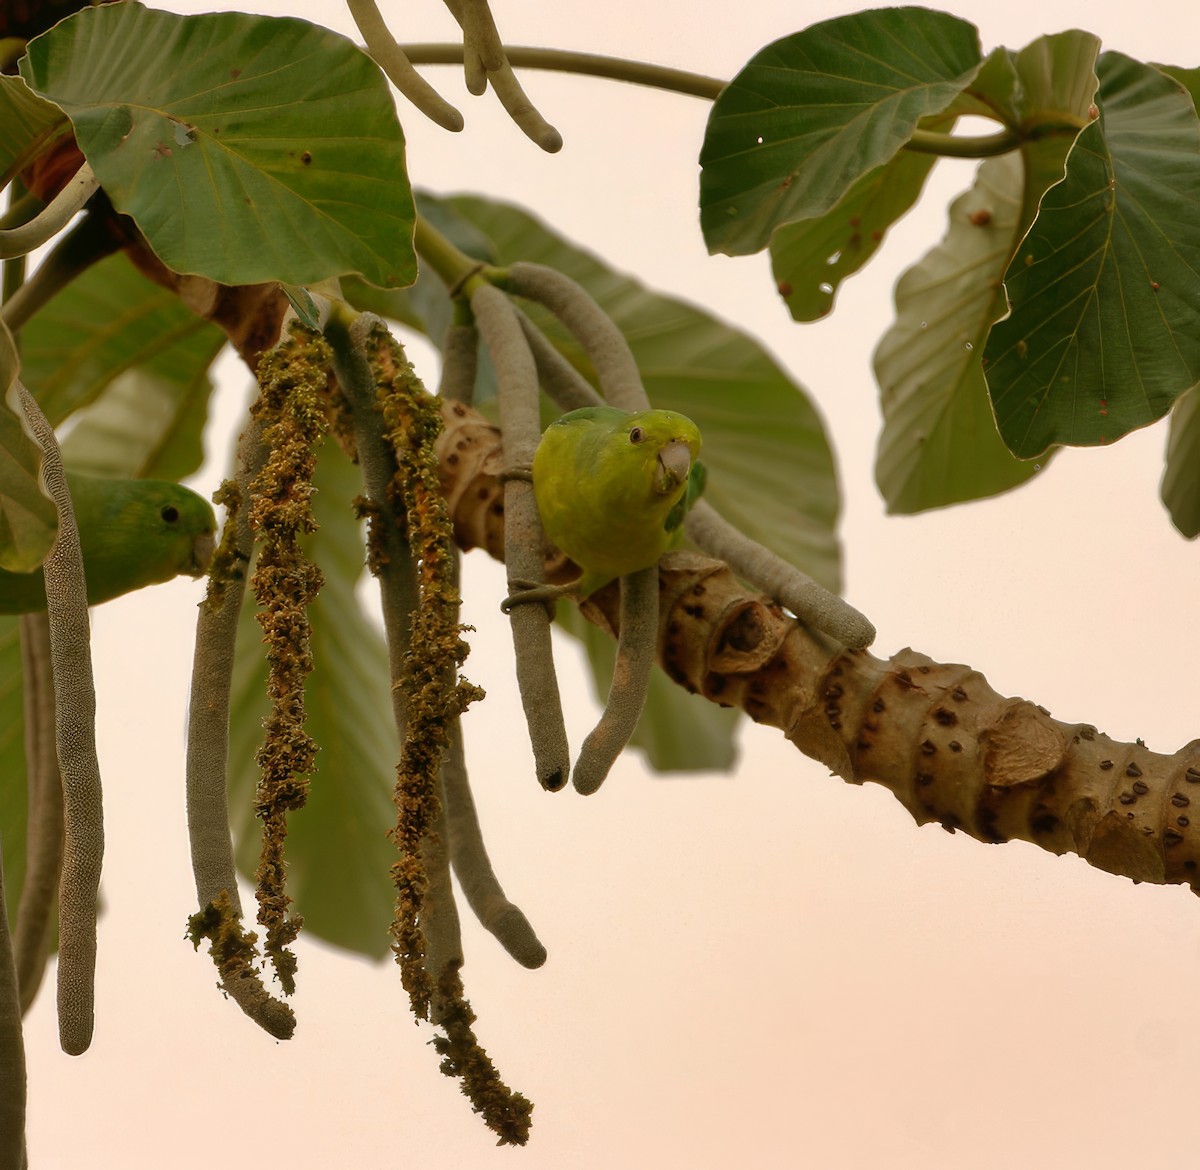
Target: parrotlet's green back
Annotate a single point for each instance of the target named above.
(612, 488)
(133, 532)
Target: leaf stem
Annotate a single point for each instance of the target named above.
(690, 84)
(963, 146)
(589, 64)
(458, 272)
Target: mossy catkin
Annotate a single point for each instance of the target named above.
(75, 733)
(432, 696)
(219, 917)
(291, 411)
(524, 543)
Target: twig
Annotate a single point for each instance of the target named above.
(75, 726)
(636, 645)
(44, 832)
(591, 64)
(84, 245)
(524, 543)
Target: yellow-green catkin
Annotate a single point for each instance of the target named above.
(291, 409)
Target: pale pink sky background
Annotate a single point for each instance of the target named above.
(769, 969)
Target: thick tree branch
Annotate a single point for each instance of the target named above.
(937, 735)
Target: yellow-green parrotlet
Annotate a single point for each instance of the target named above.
(133, 532)
(612, 489)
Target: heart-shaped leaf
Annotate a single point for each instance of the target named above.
(813, 113)
(246, 148)
(940, 444)
(27, 123)
(136, 370)
(1104, 325)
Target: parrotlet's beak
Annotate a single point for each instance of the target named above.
(674, 464)
(202, 553)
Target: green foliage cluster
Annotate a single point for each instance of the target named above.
(1062, 307)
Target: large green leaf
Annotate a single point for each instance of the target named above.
(246, 148)
(27, 123)
(134, 363)
(1104, 328)
(813, 113)
(939, 443)
(1180, 488)
(338, 855)
(810, 259)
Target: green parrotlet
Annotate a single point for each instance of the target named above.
(612, 489)
(133, 532)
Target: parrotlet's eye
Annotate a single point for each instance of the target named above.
(636, 434)
(169, 513)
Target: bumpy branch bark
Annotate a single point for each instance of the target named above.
(948, 746)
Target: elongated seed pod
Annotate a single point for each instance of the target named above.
(566, 386)
(636, 645)
(75, 732)
(473, 868)
(460, 361)
(522, 111)
(12, 1049)
(524, 543)
(390, 57)
(44, 834)
(43, 227)
(219, 916)
(591, 326)
(811, 603)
